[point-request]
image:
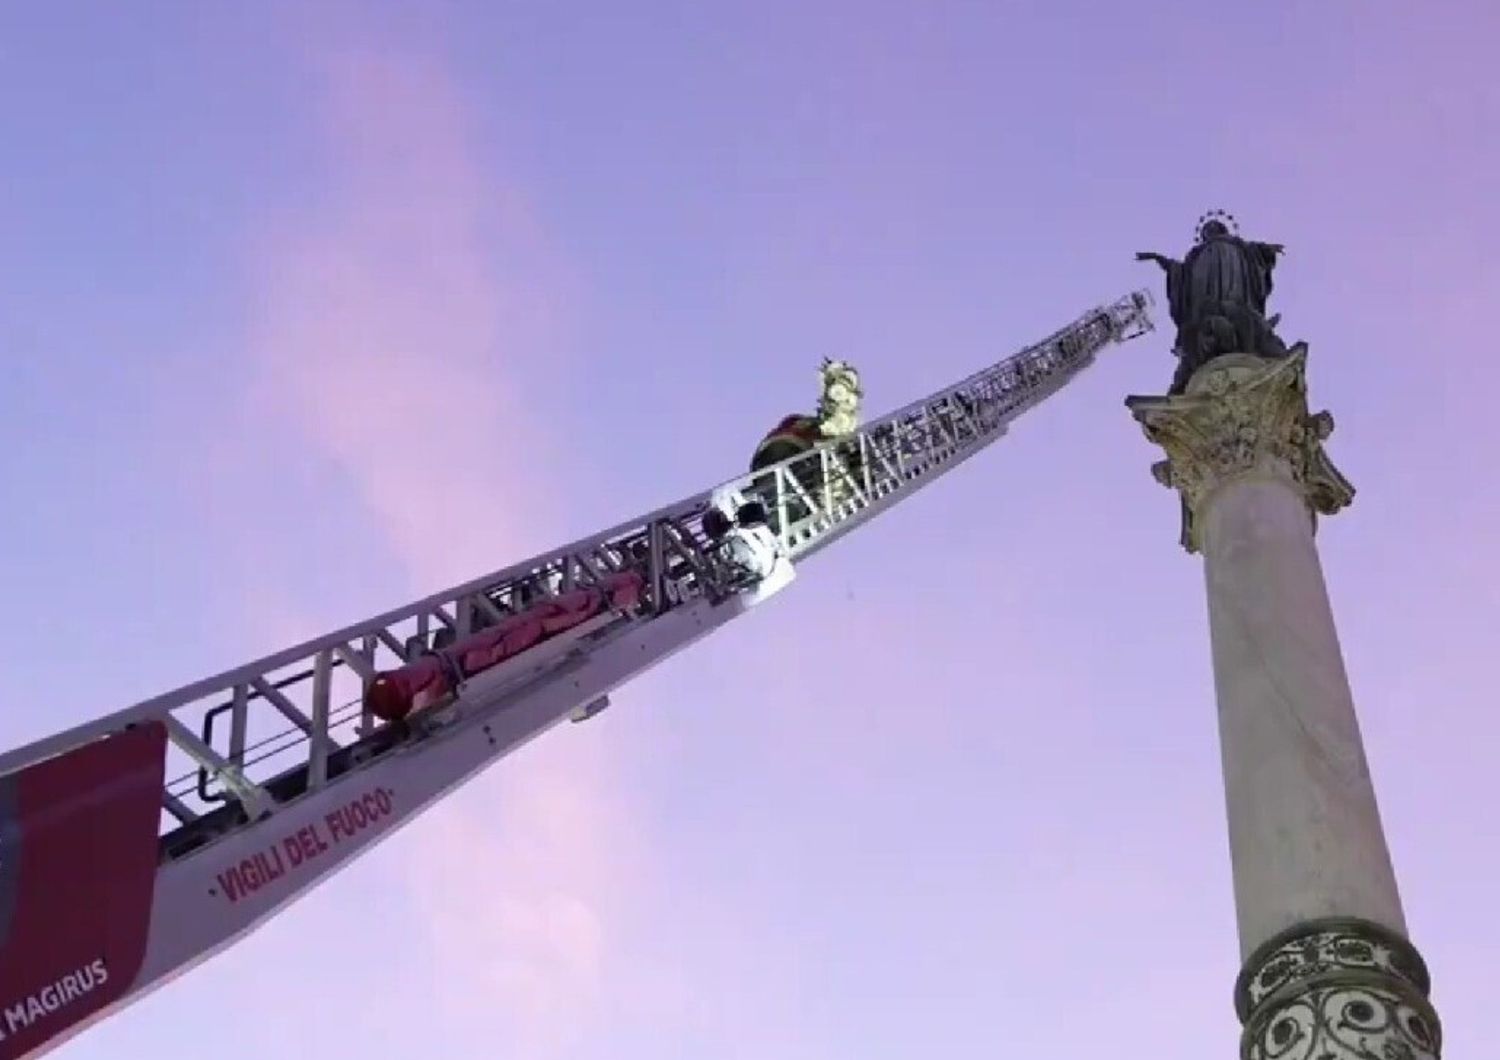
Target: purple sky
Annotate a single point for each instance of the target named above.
(303, 313)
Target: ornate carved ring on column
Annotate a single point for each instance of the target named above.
(1242, 415)
(1336, 989)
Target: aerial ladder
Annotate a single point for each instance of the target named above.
(139, 844)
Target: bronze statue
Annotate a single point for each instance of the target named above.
(1218, 295)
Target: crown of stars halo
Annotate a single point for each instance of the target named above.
(1216, 215)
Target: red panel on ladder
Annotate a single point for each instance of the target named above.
(396, 693)
(78, 857)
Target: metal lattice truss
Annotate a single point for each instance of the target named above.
(249, 741)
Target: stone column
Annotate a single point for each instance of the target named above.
(1327, 973)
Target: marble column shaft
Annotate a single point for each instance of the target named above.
(1326, 964)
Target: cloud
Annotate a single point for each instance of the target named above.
(519, 921)
(393, 320)
(388, 321)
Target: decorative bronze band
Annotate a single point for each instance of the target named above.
(1334, 989)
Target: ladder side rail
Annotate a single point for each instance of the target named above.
(1123, 316)
(675, 553)
(256, 674)
(549, 660)
(157, 706)
(684, 512)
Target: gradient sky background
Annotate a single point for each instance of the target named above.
(306, 309)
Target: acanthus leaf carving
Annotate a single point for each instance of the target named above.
(1242, 415)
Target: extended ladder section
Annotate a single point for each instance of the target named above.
(137, 845)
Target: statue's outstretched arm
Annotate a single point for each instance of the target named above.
(1161, 259)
